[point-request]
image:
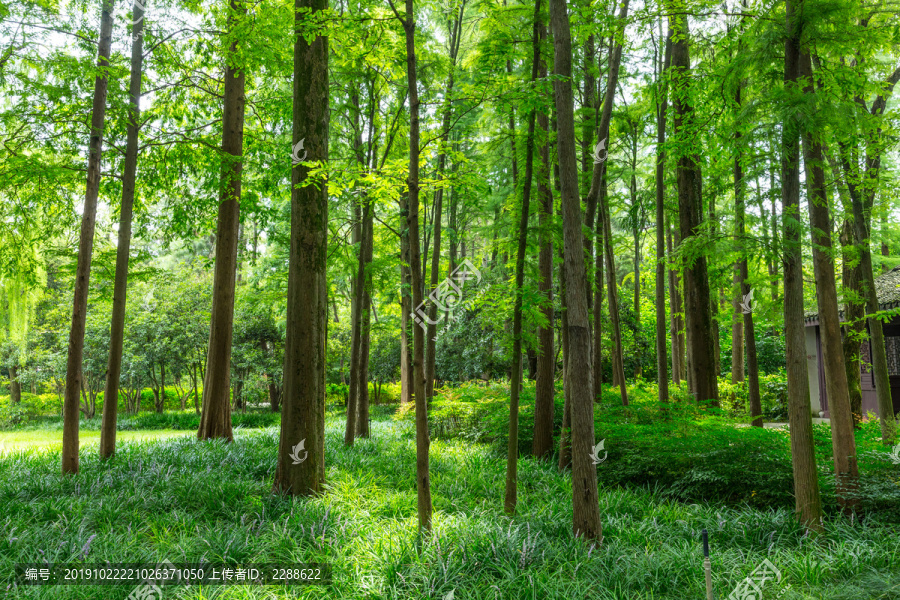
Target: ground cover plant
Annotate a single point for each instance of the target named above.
(185, 501)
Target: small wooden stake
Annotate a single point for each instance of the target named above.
(707, 567)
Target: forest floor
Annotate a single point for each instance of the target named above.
(184, 501)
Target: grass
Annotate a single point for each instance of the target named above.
(183, 500)
(49, 440)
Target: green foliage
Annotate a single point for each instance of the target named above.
(224, 492)
(682, 451)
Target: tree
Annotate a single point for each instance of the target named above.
(303, 407)
(842, 439)
(585, 501)
(803, 459)
(698, 314)
(215, 418)
(86, 246)
(512, 455)
(123, 248)
(662, 105)
(423, 480)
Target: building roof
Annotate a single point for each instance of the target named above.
(887, 286)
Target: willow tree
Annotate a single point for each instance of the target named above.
(86, 246)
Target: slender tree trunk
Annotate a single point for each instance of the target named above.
(854, 315)
(365, 323)
(423, 478)
(544, 386)
(843, 442)
(744, 329)
(662, 106)
(701, 345)
(15, 388)
(215, 418)
(565, 433)
(161, 402)
(431, 342)
(512, 456)
(303, 404)
(585, 501)
(808, 504)
(405, 305)
(86, 247)
(597, 195)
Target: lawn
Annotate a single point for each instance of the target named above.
(43, 439)
(185, 501)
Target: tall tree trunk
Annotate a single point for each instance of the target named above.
(565, 433)
(842, 439)
(365, 323)
(405, 305)
(512, 455)
(808, 504)
(86, 247)
(854, 316)
(585, 501)
(544, 386)
(431, 342)
(745, 329)
(662, 106)
(303, 380)
(597, 195)
(423, 479)
(698, 304)
(215, 418)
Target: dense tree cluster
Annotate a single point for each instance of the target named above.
(252, 200)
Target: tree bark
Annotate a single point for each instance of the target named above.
(585, 501)
(698, 307)
(431, 343)
(662, 106)
(215, 418)
(808, 504)
(423, 479)
(512, 456)
(405, 305)
(842, 439)
(15, 388)
(597, 196)
(544, 386)
(854, 319)
(365, 322)
(86, 247)
(303, 403)
(744, 329)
